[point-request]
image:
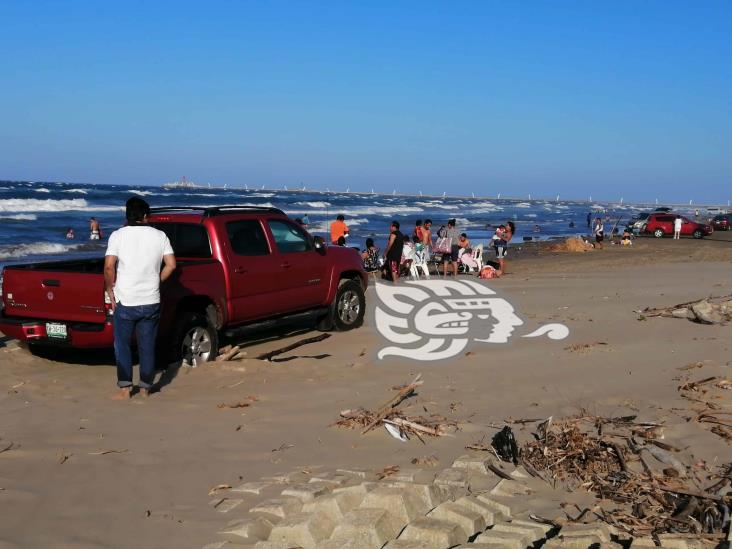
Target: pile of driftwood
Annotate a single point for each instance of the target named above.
(703, 393)
(714, 310)
(397, 422)
(644, 488)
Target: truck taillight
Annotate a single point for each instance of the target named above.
(108, 305)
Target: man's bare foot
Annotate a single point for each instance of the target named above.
(144, 392)
(123, 394)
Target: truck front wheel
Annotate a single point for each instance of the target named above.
(347, 310)
(196, 339)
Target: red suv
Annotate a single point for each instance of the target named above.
(661, 224)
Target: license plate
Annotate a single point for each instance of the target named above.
(56, 330)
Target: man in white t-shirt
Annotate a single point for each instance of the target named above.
(677, 227)
(132, 278)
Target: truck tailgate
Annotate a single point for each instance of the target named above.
(54, 295)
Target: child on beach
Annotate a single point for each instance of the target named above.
(370, 257)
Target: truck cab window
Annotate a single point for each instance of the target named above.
(289, 237)
(247, 237)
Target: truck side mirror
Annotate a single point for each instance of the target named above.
(319, 245)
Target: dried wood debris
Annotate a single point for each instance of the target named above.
(704, 311)
(707, 396)
(433, 425)
(645, 488)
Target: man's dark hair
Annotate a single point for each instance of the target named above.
(395, 224)
(451, 222)
(341, 217)
(136, 209)
(428, 221)
(418, 223)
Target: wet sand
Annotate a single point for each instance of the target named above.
(83, 471)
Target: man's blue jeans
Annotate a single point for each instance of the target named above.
(142, 320)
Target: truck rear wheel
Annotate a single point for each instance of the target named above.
(698, 234)
(347, 310)
(658, 233)
(196, 339)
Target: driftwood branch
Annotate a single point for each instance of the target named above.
(300, 343)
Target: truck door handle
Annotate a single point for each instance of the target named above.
(285, 265)
(240, 270)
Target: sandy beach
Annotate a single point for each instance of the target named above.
(79, 470)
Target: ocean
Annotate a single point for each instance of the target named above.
(35, 217)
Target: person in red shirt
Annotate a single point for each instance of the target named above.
(338, 229)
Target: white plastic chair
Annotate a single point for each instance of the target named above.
(419, 261)
(478, 256)
(475, 261)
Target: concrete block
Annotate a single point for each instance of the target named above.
(599, 529)
(365, 474)
(335, 506)
(273, 545)
(474, 463)
(357, 543)
(430, 494)
(520, 473)
(278, 507)
(452, 477)
(509, 488)
(434, 532)
(357, 490)
(407, 544)
(509, 540)
(574, 542)
(306, 492)
(373, 526)
(252, 487)
(224, 505)
(679, 541)
(248, 530)
(545, 528)
(646, 541)
(481, 483)
(332, 479)
(303, 529)
(404, 505)
(496, 503)
(215, 545)
(529, 531)
(470, 521)
(412, 475)
(474, 504)
(287, 478)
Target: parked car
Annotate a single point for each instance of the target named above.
(239, 269)
(638, 223)
(722, 222)
(661, 224)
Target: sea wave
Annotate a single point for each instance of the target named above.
(42, 190)
(357, 210)
(143, 193)
(314, 204)
(20, 217)
(50, 205)
(16, 251)
(78, 191)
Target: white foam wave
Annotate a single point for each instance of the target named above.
(439, 205)
(522, 205)
(78, 191)
(142, 193)
(314, 204)
(64, 204)
(357, 211)
(42, 190)
(37, 248)
(20, 217)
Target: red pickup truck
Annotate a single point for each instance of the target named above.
(239, 269)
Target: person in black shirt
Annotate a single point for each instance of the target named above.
(394, 251)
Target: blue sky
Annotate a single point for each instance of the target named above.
(581, 98)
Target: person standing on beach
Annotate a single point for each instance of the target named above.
(418, 229)
(338, 229)
(599, 232)
(94, 232)
(427, 238)
(452, 234)
(589, 219)
(677, 227)
(132, 278)
(394, 249)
